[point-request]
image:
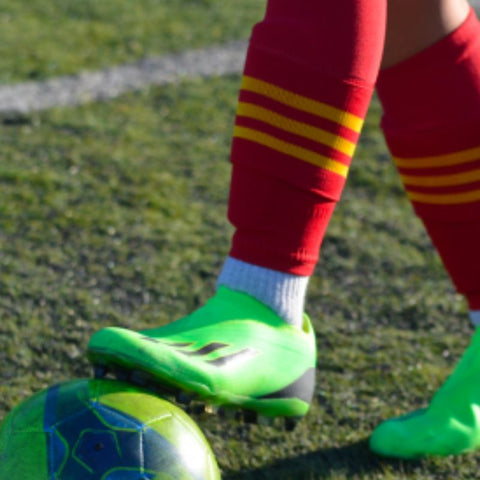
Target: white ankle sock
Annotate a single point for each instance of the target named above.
(475, 317)
(284, 293)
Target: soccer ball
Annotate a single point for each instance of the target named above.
(102, 430)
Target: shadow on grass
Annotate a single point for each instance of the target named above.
(347, 461)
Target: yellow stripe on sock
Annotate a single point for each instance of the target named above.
(442, 180)
(449, 160)
(298, 128)
(291, 149)
(346, 119)
(445, 199)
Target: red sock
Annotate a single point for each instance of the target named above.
(308, 80)
(432, 126)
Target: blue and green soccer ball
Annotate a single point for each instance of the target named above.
(102, 430)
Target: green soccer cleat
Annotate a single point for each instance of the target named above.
(233, 352)
(448, 426)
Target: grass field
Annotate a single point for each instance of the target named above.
(114, 213)
(41, 38)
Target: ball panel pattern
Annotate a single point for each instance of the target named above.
(102, 430)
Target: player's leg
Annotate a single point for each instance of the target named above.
(307, 83)
(432, 125)
(414, 25)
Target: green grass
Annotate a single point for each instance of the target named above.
(40, 39)
(115, 214)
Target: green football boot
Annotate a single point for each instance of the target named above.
(449, 425)
(232, 352)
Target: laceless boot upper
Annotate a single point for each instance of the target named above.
(449, 425)
(233, 351)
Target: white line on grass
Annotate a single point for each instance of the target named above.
(112, 82)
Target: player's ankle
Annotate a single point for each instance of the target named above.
(475, 317)
(284, 293)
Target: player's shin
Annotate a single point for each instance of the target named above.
(432, 125)
(308, 79)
